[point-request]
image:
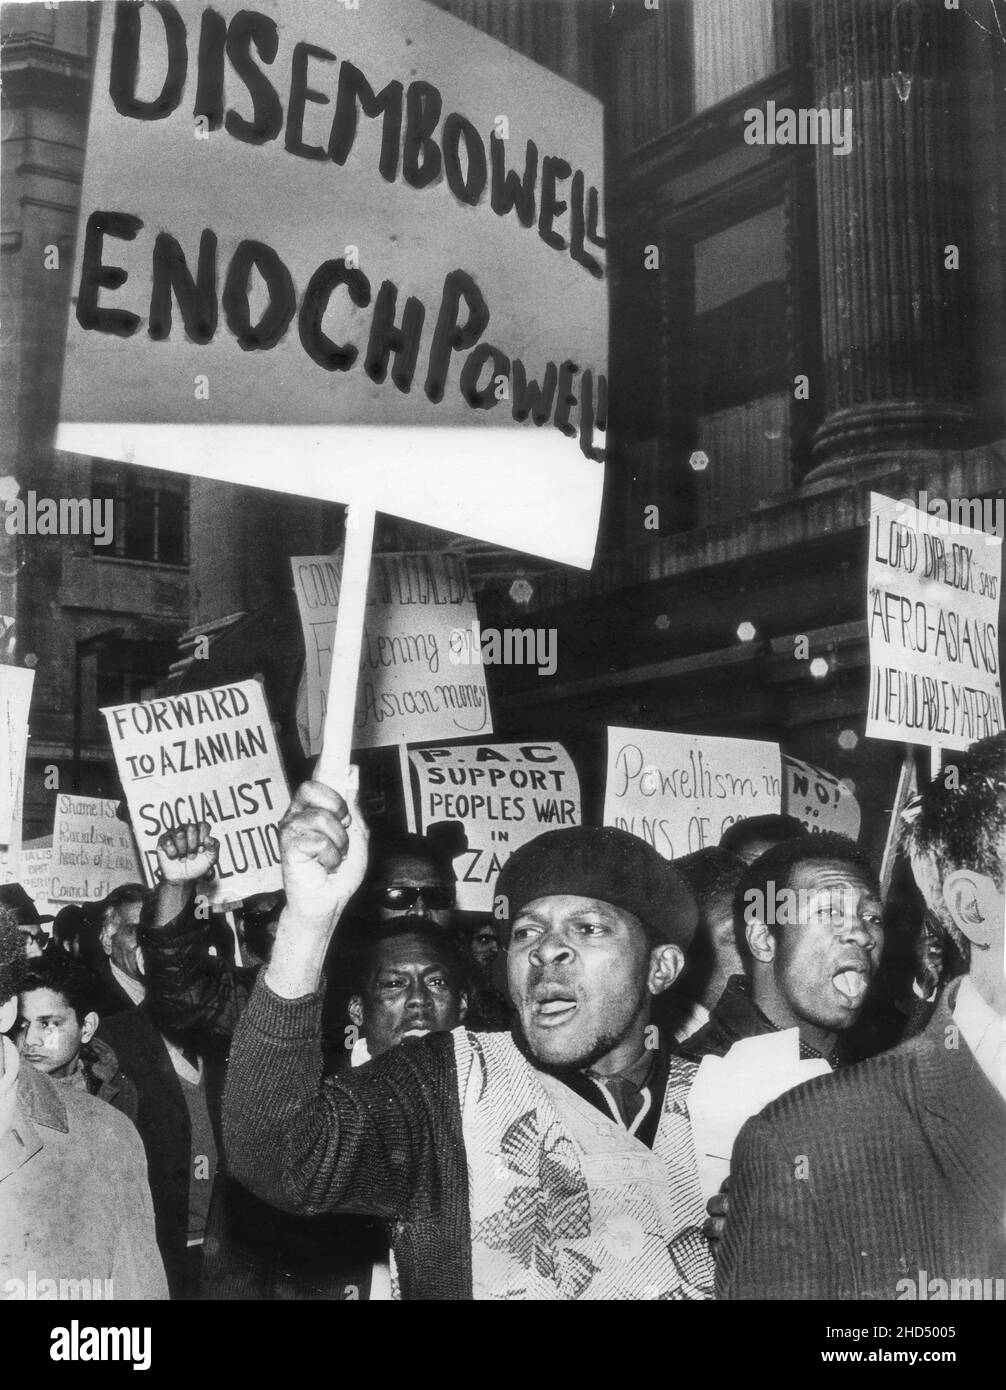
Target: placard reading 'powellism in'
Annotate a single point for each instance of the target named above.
(679, 792)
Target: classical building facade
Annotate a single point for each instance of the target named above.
(793, 325)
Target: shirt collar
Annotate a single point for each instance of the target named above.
(40, 1099)
(807, 1053)
(75, 1079)
(638, 1072)
(984, 1031)
(696, 1017)
(190, 1071)
(136, 991)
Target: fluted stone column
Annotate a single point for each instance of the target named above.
(898, 375)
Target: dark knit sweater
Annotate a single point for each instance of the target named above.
(386, 1142)
(193, 997)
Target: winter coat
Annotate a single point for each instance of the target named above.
(77, 1215)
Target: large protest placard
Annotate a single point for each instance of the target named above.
(933, 592)
(15, 701)
(817, 799)
(411, 689)
(679, 792)
(350, 225)
(502, 794)
(209, 755)
(92, 850)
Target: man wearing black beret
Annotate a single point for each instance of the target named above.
(553, 1163)
(596, 925)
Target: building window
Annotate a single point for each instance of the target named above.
(112, 669)
(739, 347)
(729, 393)
(733, 46)
(739, 355)
(128, 670)
(555, 33)
(151, 512)
(652, 72)
(677, 61)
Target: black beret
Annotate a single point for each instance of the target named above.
(603, 863)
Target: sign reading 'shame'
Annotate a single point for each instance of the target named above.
(307, 216)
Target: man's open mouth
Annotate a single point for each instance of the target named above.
(851, 982)
(552, 1007)
(417, 1031)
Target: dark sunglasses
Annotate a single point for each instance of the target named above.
(399, 898)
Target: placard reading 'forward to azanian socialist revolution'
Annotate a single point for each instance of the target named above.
(408, 690)
(933, 592)
(679, 792)
(206, 756)
(502, 795)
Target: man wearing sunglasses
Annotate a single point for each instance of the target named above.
(409, 879)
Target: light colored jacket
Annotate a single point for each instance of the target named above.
(76, 1219)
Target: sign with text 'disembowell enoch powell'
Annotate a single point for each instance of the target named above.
(311, 234)
(933, 595)
(209, 755)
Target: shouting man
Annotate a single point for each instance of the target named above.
(888, 1179)
(556, 1163)
(809, 928)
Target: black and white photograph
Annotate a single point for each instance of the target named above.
(502, 753)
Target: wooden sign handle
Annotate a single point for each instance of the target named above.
(907, 781)
(410, 805)
(337, 738)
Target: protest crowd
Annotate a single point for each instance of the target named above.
(488, 457)
(348, 1089)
